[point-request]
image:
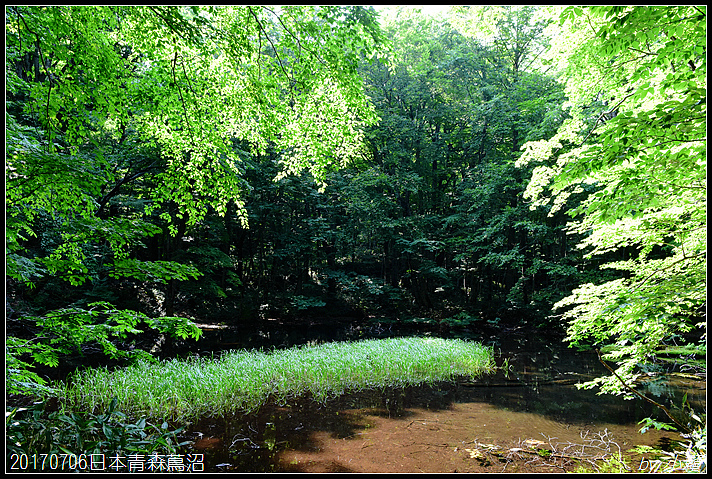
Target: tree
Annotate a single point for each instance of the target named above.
(441, 183)
(636, 151)
(124, 123)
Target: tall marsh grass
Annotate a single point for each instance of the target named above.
(242, 381)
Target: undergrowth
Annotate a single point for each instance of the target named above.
(35, 431)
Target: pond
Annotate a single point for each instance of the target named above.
(502, 423)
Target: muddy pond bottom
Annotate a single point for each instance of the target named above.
(486, 426)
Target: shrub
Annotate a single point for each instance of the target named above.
(36, 431)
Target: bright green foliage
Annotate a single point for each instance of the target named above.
(189, 81)
(636, 149)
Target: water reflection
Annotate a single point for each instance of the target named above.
(535, 397)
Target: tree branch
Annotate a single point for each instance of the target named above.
(602, 115)
(643, 397)
(313, 53)
(276, 53)
(665, 268)
(182, 100)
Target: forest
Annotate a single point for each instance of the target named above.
(469, 174)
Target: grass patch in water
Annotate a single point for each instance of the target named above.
(242, 381)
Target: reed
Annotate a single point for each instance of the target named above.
(242, 381)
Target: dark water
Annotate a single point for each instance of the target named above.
(536, 397)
